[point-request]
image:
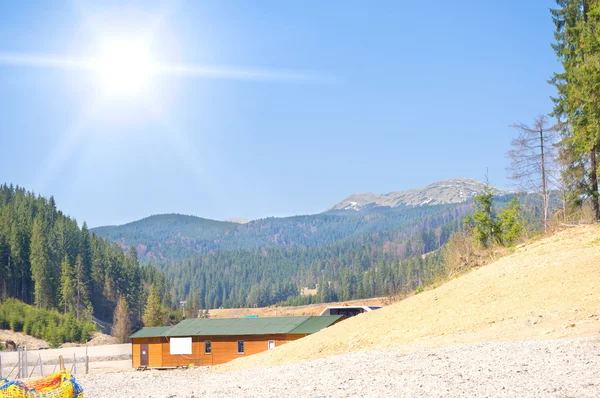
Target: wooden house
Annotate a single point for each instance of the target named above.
(206, 342)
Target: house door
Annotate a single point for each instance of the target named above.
(271, 344)
(143, 354)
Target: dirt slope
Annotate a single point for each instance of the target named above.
(22, 339)
(547, 289)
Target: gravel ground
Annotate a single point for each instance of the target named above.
(567, 368)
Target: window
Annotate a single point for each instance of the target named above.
(240, 346)
(207, 347)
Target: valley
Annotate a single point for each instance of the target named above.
(375, 251)
(525, 325)
(544, 290)
(186, 187)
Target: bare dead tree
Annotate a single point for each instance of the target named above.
(532, 160)
(121, 328)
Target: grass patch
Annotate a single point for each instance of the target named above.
(595, 242)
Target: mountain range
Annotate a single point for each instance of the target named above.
(386, 216)
(367, 245)
(372, 250)
(456, 190)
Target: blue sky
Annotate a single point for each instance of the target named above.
(399, 95)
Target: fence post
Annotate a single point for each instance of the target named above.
(61, 360)
(25, 362)
(18, 362)
(41, 366)
(74, 364)
(0, 365)
(87, 361)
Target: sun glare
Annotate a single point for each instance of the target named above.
(124, 68)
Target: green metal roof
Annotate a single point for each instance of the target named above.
(315, 323)
(250, 326)
(150, 332)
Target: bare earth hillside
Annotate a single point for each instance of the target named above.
(548, 289)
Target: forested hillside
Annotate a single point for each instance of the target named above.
(177, 237)
(268, 261)
(362, 255)
(247, 278)
(168, 235)
(47, 260)
(348, 255)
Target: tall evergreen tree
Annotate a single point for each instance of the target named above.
(67, 287)
(154, 314)
(510, 223)
(82, 300)
(482, 222)
(40, 266)
(19, 241)
(576, 105)
(85, 251)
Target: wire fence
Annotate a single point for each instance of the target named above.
(30, 364)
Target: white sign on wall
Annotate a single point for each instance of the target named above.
(180, 346)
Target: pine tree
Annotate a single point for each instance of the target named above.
(510, 223)
(19, 241)
(154, 314)
(85, 252)
(482, 222)
(82, 299)
(576, 105)
(40, 266)
(67, 288)
(131, 284)
(121, 328)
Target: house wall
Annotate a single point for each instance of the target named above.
(224, 349)
(154, 351)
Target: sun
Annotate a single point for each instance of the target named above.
(124, 67)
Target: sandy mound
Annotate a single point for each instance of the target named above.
(22, 339)
(97, 339)
(102, 339)
(547, 289)
(33, 344)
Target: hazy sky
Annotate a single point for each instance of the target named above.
(305, 103)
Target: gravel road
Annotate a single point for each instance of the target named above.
(568, 368)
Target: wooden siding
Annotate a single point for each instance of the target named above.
(154, 351)
(135, 351)
(224, 349)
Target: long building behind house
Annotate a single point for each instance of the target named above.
(207, 342)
